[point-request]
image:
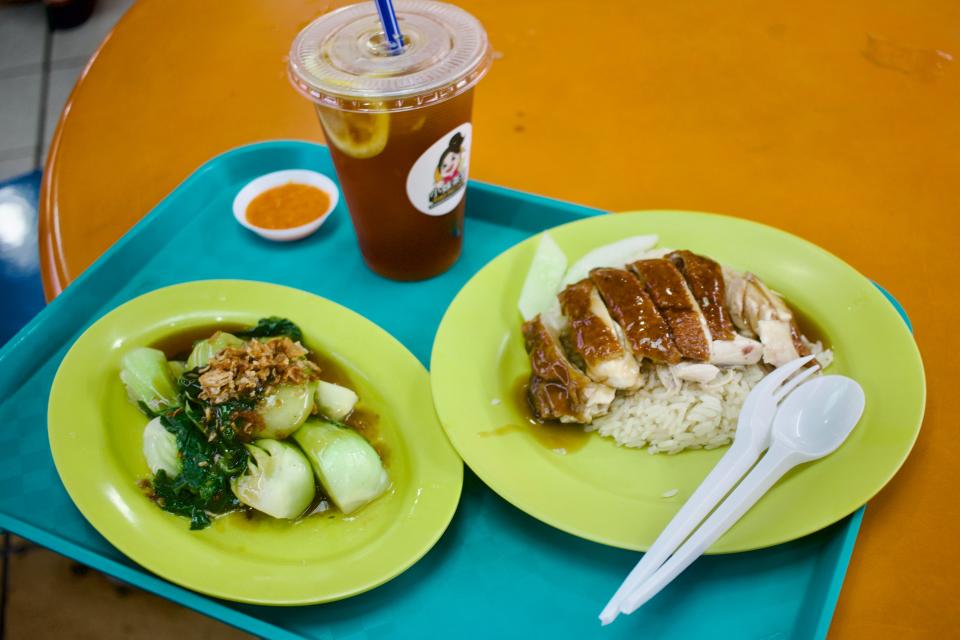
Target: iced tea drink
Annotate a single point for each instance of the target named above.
(398, 126)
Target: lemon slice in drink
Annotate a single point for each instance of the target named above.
(359, 135)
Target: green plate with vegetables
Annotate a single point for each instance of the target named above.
(253, 442)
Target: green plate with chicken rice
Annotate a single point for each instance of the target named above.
(580, 379)
(253, 442)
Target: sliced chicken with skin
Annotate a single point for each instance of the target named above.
(778, 347)
(705, 280)
(755, 308)
(596, 338)
(676, 304)
(558, 390)
(735, 285)
(646, 331)
(775, 323)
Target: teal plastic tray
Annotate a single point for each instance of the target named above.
(496, 573)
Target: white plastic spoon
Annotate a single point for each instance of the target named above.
(811, 423)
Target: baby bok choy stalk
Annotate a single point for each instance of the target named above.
(285, 410)
(177, 368)
(206, 349)
(149, 381)
(160, 449)
(347, 467)
(334, 401)
(278, 480)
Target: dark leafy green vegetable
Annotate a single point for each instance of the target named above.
(210, 441)
(203, 486)
(272, 327)
(222, 417)
(211, 452)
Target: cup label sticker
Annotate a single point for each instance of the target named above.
(438, 179)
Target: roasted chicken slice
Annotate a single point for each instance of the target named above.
(558, 390)
(704, 277)
(735, 286)
(596, 338)
(646, 331)
(676, 304)
(756, 309)
(739, 351)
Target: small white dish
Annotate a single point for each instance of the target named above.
(276, 179)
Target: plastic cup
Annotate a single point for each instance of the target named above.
(398, 126)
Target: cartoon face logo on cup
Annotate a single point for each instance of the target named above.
(436, 182)
(447, 179)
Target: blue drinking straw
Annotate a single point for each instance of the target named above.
(388, 17)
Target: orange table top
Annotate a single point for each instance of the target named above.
(835, 121)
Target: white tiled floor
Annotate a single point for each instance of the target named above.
(19, 116)
(60, 83)
(22, 29)
(36, 79)
(16, 165)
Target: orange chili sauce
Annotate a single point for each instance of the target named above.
(287, 206)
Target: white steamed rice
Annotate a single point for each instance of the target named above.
(685, 415)
(667, 415)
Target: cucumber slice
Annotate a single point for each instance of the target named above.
(334, 401)
(543, 278)
(206, 349)
(347, 467)
(616, 255)
(285, 410)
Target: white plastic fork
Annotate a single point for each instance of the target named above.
(751, 439)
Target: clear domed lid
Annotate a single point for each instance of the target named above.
(342, 59)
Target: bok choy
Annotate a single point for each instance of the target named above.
(160, 449)
(347, 466)
(230, 427)
(278, 480)
(149, 381)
